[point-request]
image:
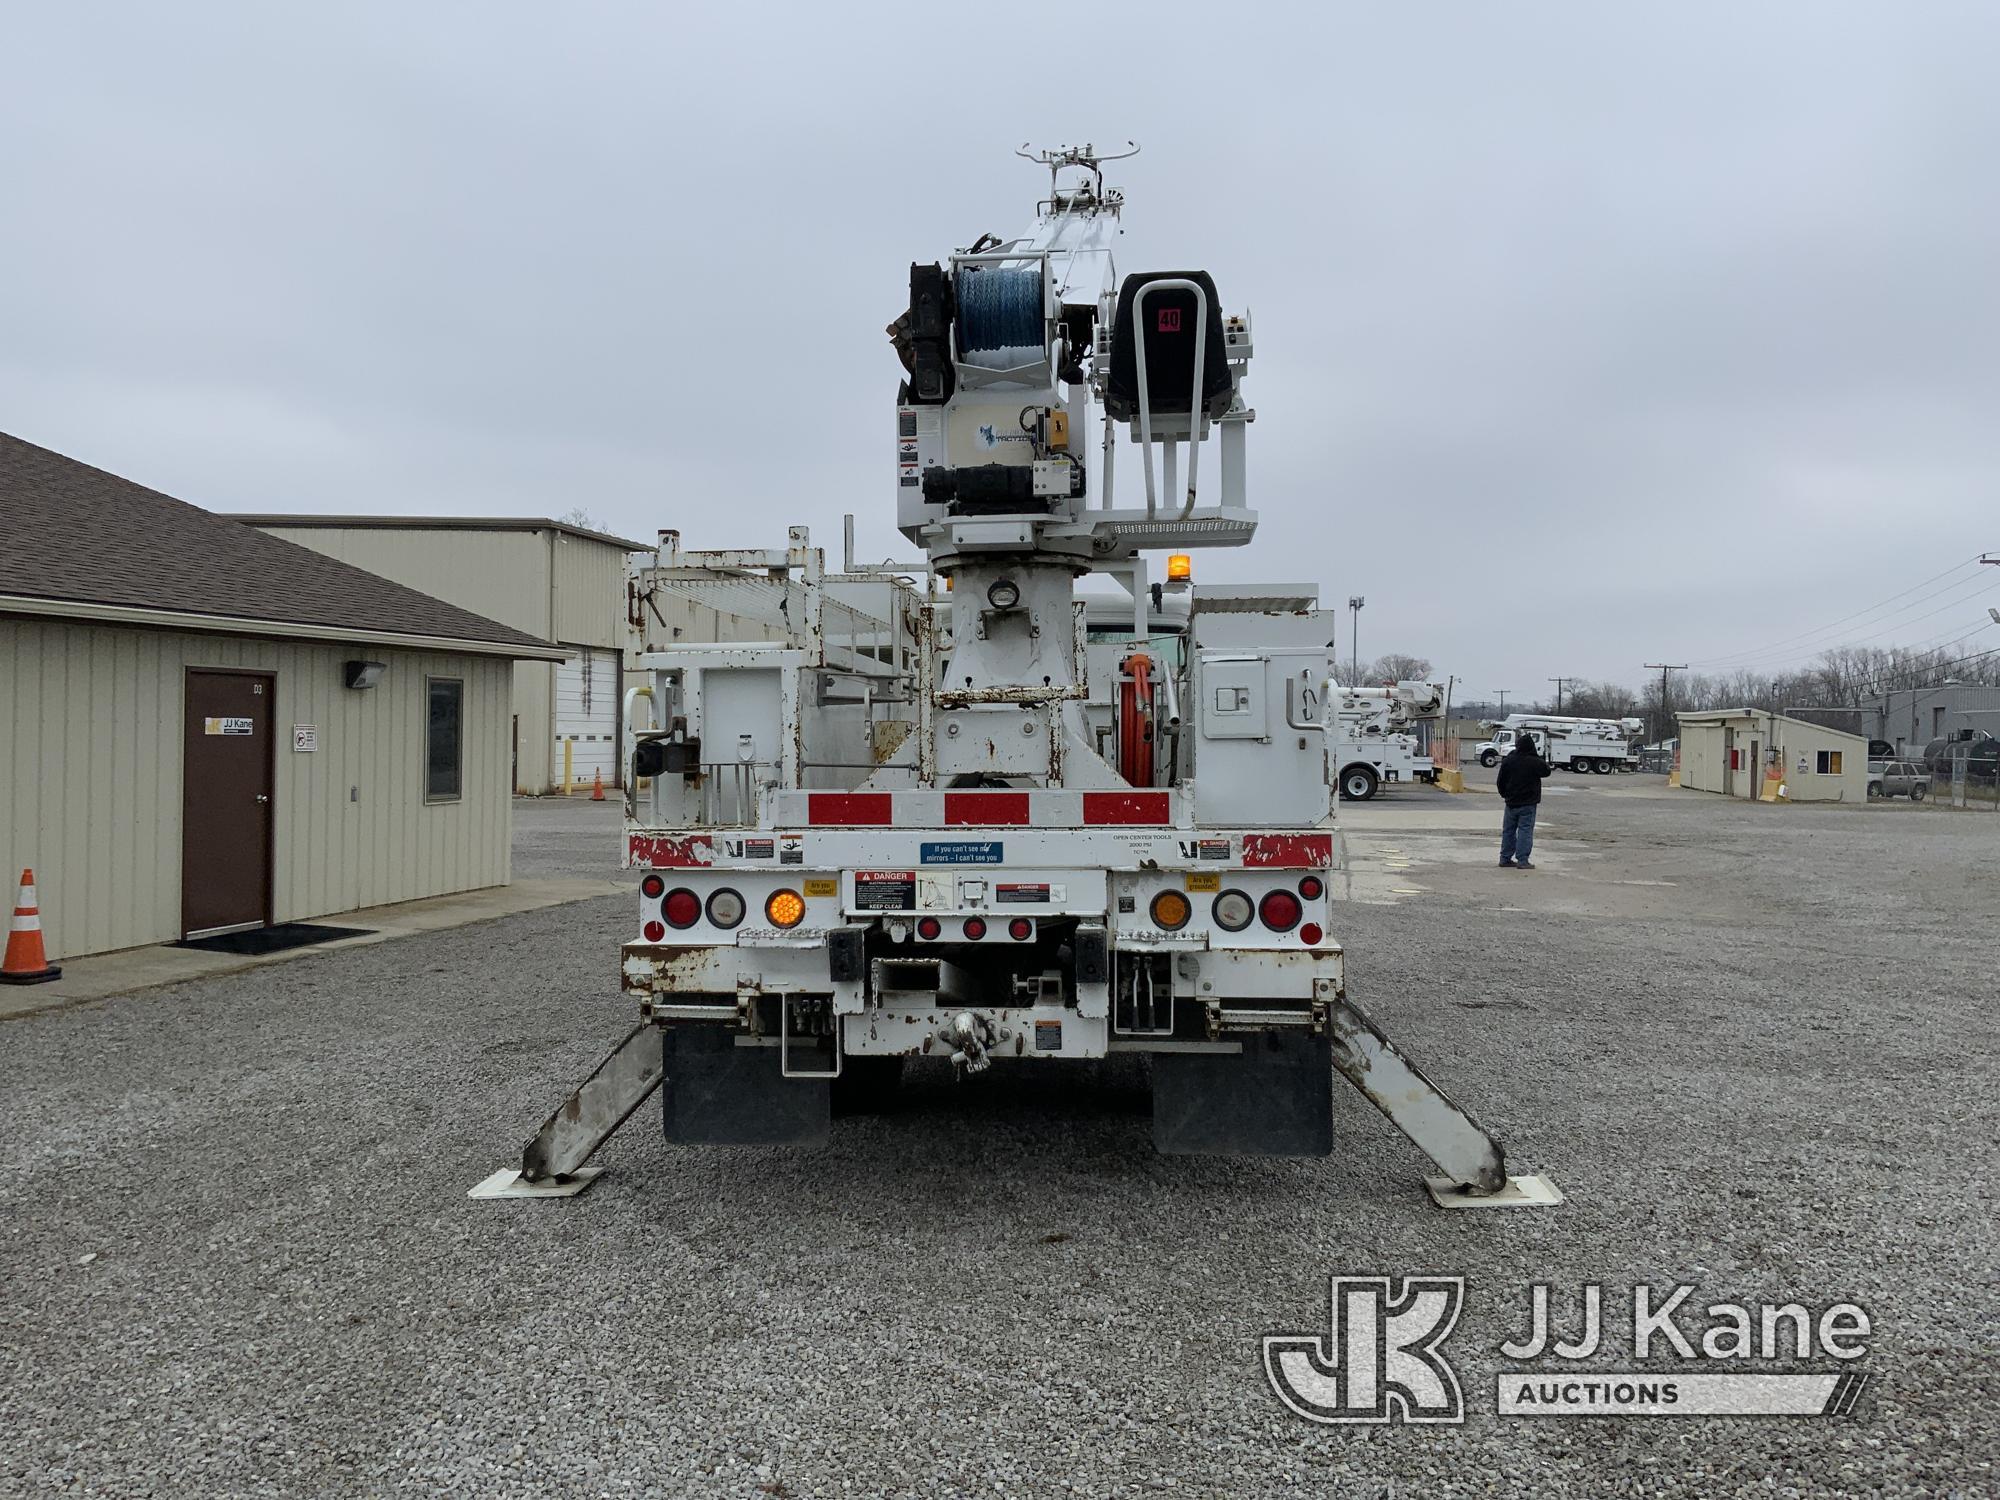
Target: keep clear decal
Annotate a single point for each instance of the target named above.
(1048, 1036)
(885, 890)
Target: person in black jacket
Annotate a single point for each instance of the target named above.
(1521, 775)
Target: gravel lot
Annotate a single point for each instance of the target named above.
(239, 1258)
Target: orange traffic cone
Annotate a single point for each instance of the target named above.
(597, 788)
(27, 962)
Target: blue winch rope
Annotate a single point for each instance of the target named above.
(999, 308)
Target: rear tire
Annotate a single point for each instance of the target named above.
(1601, 767)
(1917, 793)
(1580, 766)
(1358, 783)
(1489, 760)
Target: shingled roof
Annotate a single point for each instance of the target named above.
(74, 537)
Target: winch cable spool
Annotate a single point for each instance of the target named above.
(1000, 317)
(1135, 720)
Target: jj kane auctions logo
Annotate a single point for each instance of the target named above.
(1382, 1358)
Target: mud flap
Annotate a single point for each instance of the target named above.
(1275, 1098)
(719, 1094)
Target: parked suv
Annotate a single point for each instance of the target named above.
(1898, 778)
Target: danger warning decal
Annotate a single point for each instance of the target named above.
(885, 890)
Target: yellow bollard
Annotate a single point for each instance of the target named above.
(569, 757)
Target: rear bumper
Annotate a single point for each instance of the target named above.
(1150, 999)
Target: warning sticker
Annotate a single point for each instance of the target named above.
(228, 726)
(792, 851)
(1214, 849)
(1020, 895)
(822, 885)
(759, 848)
(962, 852)
(1209, 882)
(885, 890)
(1048, 1036)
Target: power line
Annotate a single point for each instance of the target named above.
(1730, 656)
(1560, 682)
(1767, 661)
(1666, 714)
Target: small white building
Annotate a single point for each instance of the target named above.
(1753, 752)
(204, 729)
(545, 578)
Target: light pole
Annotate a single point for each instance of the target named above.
(1354, 603)
(1503, 700)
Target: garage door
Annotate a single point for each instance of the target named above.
(587, 716)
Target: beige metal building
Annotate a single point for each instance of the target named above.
(204, 728)
(1752, 753)
(546, 578)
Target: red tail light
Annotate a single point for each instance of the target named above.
(683, 908)
(1310, 934)
(654, 931)
(1020, 929)
(652, 887)
(928, 928)
(1279, 911)
(975, 928)
(1312, 888)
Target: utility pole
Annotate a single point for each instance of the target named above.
(1354, 603)
(1503, 692)
(1663, 668)
(1560, 682)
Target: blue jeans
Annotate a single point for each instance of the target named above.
(1517, 834)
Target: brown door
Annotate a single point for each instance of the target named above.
(226, 802)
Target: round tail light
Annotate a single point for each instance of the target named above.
(1171, 910)
(1312, 888)
(928, 928)
(1310, 934)
(1020, 929)
(652, 887)
(785, 908)
(1280, 911)
(725, 908)
(975, 928)
(1232, 911)
(683, 908)
(655, 931)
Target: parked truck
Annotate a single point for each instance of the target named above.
(1596, 745)
(895, 828)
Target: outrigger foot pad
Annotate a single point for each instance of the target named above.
(509, 1183)
(1532, 1191)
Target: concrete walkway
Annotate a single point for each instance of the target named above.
(102, 975)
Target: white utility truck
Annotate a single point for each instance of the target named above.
(891, 830)
(1369, 734)
(1599, 745)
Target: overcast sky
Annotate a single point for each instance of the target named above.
(1585, 337)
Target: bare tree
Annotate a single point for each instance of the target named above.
(1397, 667)
(579, 517)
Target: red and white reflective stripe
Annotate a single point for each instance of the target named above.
(974, 809)
(27, 911)
(1287, 851)
(1127, 808)
(852, 809)
(988, 809)
(662, 851)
